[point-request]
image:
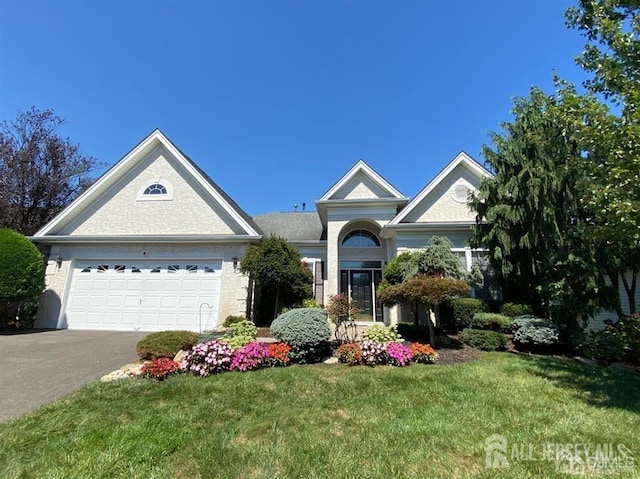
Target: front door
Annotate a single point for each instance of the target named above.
(360, 286)
(361, 289)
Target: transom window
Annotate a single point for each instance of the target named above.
(361, 239)
(155, 189)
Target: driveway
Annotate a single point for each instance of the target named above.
(43, 366)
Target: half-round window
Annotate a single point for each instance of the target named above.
(361, 239)
(155, 189)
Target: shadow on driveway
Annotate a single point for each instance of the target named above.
(41, 366)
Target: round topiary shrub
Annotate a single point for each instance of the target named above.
(165, 344)
(306, 330)
(457, 313)
(21, 272)
(484, 339)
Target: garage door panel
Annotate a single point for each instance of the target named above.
(145, 296)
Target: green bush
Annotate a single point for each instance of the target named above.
(535, 333)
(311, 303)
(21, 269)
(306, 330)
(605, 346)
(26, 314)
(241, 334)
(382, 334)
(514, 310)
(493, 321)
(165, 344)
(457, 313)
(484, 339)
(231, 320)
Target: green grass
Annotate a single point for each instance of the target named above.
(328, 422)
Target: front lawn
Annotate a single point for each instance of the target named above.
(332, 422)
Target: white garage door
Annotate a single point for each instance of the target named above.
(145, 296)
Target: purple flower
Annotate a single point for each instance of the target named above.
(399, 354)
(250, 356)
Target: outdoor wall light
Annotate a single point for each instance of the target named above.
(59, 261)
(235, 263)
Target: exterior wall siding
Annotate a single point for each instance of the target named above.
(124, 211)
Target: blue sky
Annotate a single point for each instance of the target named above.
(276, 100)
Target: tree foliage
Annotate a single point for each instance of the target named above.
(612, 56)
(277, 269)
(40, 172)
(534, 219)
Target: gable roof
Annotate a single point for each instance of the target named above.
(461, 159)
(361, 168)
(122, 167)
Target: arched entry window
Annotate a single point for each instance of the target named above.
(360, 239)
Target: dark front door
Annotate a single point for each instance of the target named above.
(362, 294)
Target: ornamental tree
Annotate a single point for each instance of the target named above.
(276, 267)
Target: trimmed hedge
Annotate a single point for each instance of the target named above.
(493, 321)
(457, 314)
(165, 344)
(514, 310)
(21, 268)
(306, 330)
(484, 339)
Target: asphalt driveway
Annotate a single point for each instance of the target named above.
(43, 366)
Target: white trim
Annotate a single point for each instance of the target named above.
(461, 158)
(146, 239)
(137, 153)
(361, 166)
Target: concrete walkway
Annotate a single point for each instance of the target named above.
(43, 366)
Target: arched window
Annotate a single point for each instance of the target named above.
(361, 239)
(155, 189)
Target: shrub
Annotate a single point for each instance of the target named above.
(306, 330)
(535, 333)
(278, 354)
(341, 309)
(311, 303)
(231, 320)
(423, 353)
(208, 358)
(398, 354)
(160, 369)
(241, 334)
(492, 321)
(21, 267)
(382, 334)
(165, 344)
(350, 353)
(26, 314)
(629, 327)
(483, 339)
(457, 313)
(373, 353)
(523, 320)
(514, 310)
(605, 346)
(250, 356)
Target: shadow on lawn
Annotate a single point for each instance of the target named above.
(596, 385)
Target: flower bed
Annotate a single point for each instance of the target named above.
(217, 356)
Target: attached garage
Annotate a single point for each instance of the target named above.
(144, 295)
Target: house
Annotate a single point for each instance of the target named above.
(154, 243)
